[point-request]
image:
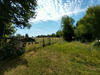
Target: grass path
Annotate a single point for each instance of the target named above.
(59, 59)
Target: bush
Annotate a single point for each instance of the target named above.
(12, 49)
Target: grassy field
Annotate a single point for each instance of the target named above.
(30, 47)
(62, 58)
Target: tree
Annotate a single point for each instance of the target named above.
(93, 14)
(17, 12)
(84, 30)
(26, 35)
(67, 25)
(53, 35)
(89, 26)
(59, 33)
(9, 29)
(19, 35)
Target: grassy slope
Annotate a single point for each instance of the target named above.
(62, 59)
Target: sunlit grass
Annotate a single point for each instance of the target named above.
(62, 58)
(34, 46)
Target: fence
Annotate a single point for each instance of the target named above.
(40, 42)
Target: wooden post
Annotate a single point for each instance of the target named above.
(52, 41)
(43, 42)
(49, 41)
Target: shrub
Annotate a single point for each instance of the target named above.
(12, 49)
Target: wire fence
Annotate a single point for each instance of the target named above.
(40, 42)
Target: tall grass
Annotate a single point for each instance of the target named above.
(62, 58)
(30, 47)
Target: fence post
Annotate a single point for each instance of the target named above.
(52, 40)
(43, 42)
(55, 41)
(35, 47)
(49, 41)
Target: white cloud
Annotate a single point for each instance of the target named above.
(55, 9)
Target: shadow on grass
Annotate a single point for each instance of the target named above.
(8, 64)
(97, 46)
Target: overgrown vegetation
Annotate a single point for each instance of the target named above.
(88, 27)
(62, 58)
(67, 28)
(17, 14)
(12, 49)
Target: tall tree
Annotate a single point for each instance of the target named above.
(84, 30)
(93, 14)
(89, 26)
(67, 25)
(26, 35)
(18, 12)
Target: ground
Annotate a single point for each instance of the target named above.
(63, 58)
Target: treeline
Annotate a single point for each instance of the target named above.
(87, 29)
(57, 34)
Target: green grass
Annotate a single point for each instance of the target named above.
(30, 47)
(63, 58)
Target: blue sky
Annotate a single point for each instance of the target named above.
(49, 13)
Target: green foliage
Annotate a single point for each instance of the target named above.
(93, 14)
(12, 49)
(16, 12)
(18, 35)
(84, 30)
(53, 35)
(88, 27)
(26, 35)
(59, 33)
(9, 29)
(68, 30)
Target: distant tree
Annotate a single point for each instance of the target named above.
(26, 35)
(59, 33)
(17, 12)
(32, 37)
(67, 25)
(53, 35)
(48, 35)
(19, 35)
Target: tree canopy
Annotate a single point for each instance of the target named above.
(18, 12)
(89, 26)
(9, 29)
(59, 33)
(93, 14)
(26, 35)
(67, 26)
(84, 30)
